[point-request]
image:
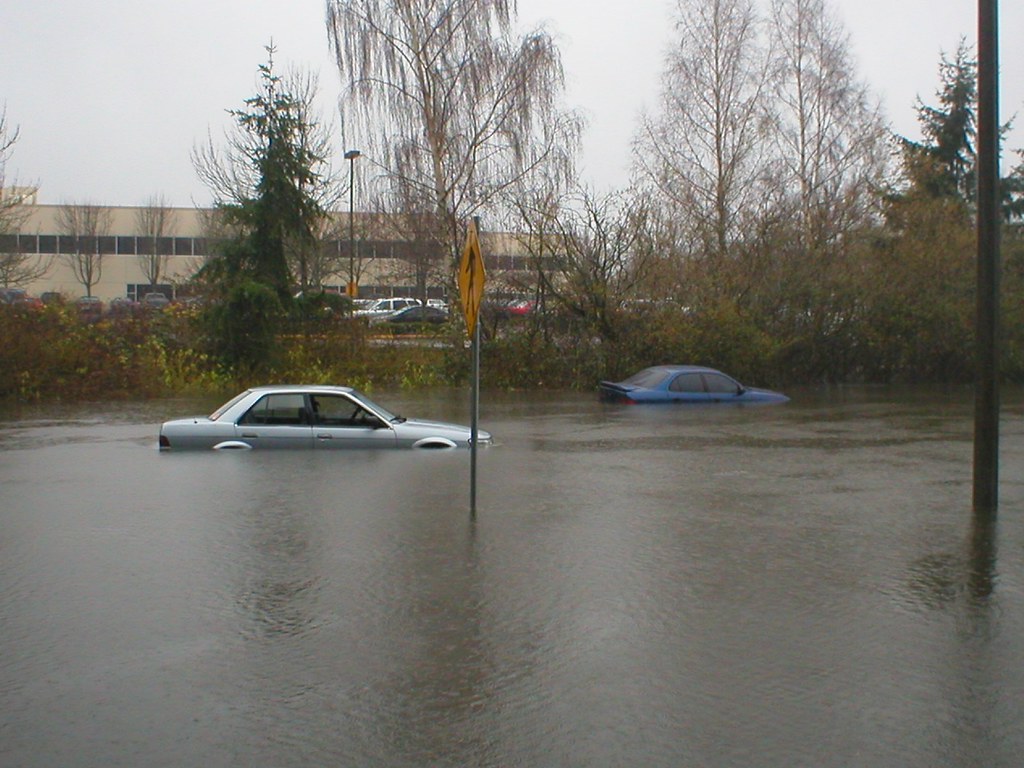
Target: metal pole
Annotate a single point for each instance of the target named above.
(351, 156)
(986, 406)
(351, 224)
(475, 417)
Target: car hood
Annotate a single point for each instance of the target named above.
(766, 394)
(440, 427)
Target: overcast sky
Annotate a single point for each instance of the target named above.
(112, 95)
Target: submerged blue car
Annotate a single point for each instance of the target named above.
(683, 384)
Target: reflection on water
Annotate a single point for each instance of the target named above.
(795, 585)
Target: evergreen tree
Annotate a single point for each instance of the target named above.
(1013, 192)
(943, 163)
(268, 185)
(281, 207)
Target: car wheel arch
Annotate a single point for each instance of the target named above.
(434, 443)
(233, 445)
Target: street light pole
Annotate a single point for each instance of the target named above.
(351, 156)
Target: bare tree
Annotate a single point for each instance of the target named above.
(155, 221)
(84, 226)
(320, 266)
(452, 108)
(16, 266)
(705, 153)
(603, 250)
(21, 267)
(12, 197)
(830, 136)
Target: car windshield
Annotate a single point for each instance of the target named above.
(220, 411)
(384, 413)
(649, 378)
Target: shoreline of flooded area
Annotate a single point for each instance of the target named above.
(802, 584)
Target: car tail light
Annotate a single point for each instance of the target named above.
(164, 442)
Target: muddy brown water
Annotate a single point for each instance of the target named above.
(797, 585)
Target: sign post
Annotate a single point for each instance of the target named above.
(471, 291)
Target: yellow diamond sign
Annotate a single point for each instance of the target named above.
(471, 278)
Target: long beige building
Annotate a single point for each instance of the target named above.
(380, 267)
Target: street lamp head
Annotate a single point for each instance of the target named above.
(352, 154)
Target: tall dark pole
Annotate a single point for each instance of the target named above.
(351, 156)
(986, 404)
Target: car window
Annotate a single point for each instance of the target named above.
(335, 410)
(287, 409)
(383, 412)
(649, 378)
(718, 384)
(340, 411)
(687, 382)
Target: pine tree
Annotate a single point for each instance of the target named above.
(943, 163)
(268, 185)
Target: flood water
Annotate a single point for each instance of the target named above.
(796, 585)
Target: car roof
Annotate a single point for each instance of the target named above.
(684, 369)
(322, 388)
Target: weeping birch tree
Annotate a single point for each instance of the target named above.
(450, 107)
(704, 154)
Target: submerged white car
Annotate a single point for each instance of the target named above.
(309, 417)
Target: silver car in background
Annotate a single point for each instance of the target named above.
(292, 416)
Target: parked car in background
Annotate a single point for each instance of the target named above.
(683, 384)
(314, 417)
(412, 318)
(155, 300)
(387, 306)
(504, 309)
(89, 307)
(9, 295)
(519, 307)
(19, 297)
(123, 306)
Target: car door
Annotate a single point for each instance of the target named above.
(342, 422)
(688, 387)
(277, 420)
(722, 389)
